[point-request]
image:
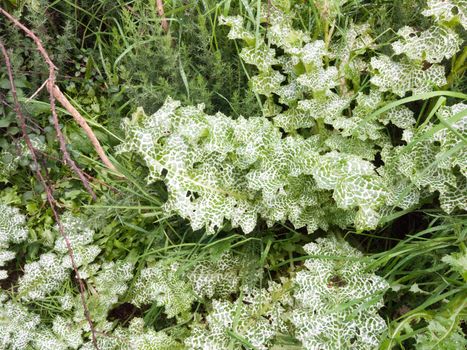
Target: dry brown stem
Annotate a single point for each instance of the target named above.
(84, 125)
(55, 93)
(48, 191)
(161, 13)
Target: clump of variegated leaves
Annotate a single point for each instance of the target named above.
(332, 304)
(218, 169)
(18, 154)
(338, 299)
(12, 230)
(48, 277)
(334, 300)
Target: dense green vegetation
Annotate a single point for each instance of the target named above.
(288, 175)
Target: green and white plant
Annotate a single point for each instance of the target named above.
(338, 299)
(12, 230)
(319, 172)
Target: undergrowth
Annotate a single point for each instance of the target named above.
(292, 175)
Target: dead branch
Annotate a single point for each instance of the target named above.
(61, 139)
(161, 13)
(50, 88)
(55, 93)
(84, 125)
(37, 91)
(50, 197)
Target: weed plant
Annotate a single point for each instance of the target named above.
(322, 211)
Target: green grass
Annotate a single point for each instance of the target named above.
(124, 60)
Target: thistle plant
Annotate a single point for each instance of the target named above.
(335, 290)
(21, 329)
(338, 144)
(12, 230)
(257, 317)
(17, 325)
(18, 154)
(332, 303)
(163, 285)
(106, 283)
(448, 11)
(136, 337)
(429, 164)
(338, 299)
(63, 334)
(42, 277)
(53, 268)
(311, 164)
(80, 238)
(219, 278)
(219, 168)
